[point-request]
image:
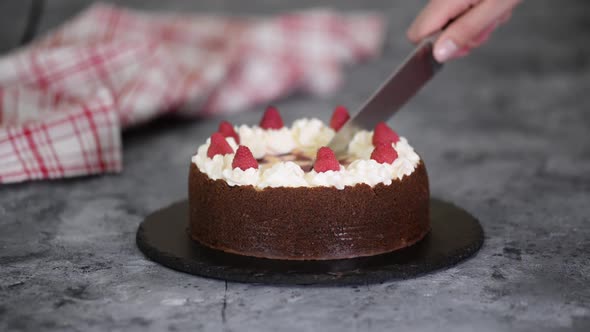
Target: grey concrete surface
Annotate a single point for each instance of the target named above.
(504, 133)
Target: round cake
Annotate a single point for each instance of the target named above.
(254, 191)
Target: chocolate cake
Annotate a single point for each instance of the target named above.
(254, 192)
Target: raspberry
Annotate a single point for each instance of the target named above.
(244, 159)
(384, 153)
(326, 160)
(339, 118)
(218, 146)
(271, 119)
(227, 130)
(384, 135)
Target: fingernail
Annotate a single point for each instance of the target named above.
(445, 50)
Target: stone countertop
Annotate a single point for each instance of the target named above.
(504, 134)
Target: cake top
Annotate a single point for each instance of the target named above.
(273, 155)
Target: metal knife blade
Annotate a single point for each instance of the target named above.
(417, 69)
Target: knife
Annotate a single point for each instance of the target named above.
(416, 70)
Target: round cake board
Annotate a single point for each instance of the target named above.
(455, 236)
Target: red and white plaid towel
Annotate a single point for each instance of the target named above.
(65, 99)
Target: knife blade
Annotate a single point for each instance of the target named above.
(414, 72)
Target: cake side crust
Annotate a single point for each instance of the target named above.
(316, 223)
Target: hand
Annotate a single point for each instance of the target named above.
(474, 22)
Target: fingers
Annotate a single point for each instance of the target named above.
(487, 32)
(462, 52)
(435, 15)
(504, 18)
(473, 28)
(483, 36)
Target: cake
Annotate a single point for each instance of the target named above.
(253, 191)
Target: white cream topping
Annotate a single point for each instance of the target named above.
(311, 134)
(305, 135)
(369, 172)
(283, 174)
(406, 151)
(239, 177)
(327, 179)
(402, 166)
(361, 145)
(253, 138)
(266, 141)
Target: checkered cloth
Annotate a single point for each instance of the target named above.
(65, 99)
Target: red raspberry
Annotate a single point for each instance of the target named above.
(326, 160)
(384, 153)
(271, 119)
(244, 159)
(227, 130)
(218, 146)
(384, 135)
(339, 118)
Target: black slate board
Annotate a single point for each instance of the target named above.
(455, 236)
